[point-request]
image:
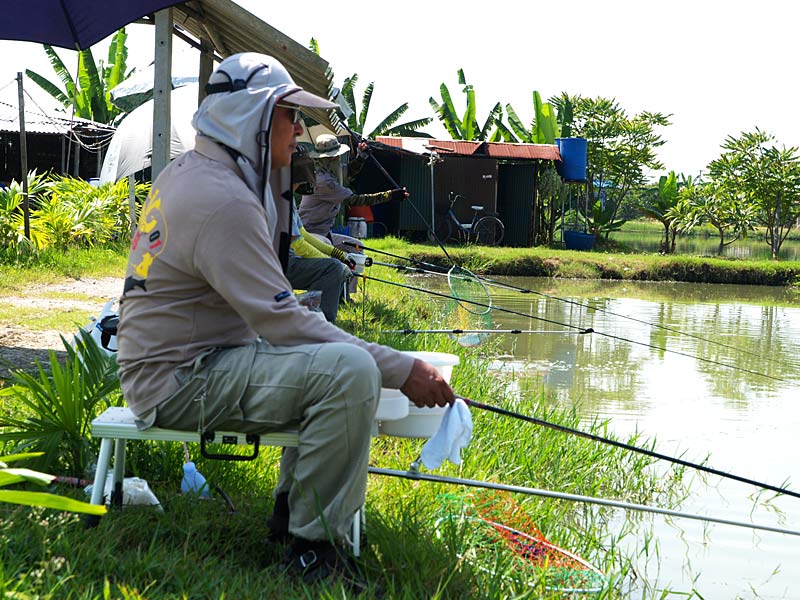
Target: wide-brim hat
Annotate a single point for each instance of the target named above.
(326, 145)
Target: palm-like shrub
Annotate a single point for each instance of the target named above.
(77, 214)
(50, 411)
(12, 218)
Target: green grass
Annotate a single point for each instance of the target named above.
(599, 264)
(36, 319)
(196, 549)
(52, 266)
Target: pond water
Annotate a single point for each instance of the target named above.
(754, 247)
(744, 416)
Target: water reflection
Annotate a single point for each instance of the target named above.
(753, 247)
(700, 395)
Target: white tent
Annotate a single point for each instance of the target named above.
(131, 147)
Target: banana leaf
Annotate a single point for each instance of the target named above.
(366, 98)
(516, 125)
(48, 87)
(50, 501)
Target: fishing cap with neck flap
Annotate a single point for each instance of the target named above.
(237, 112)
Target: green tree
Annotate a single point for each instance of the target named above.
(466, 128)
(89, 92)
(720, 206)
(620, 150)
(357, 121)
(764, 176)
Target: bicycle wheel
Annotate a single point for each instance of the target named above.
(443, 229)
(489, 231)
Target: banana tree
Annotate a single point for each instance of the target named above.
(666, 199)
(544, 128)
(89, 91)
(466, 128)
(602, 218)
(357, 121)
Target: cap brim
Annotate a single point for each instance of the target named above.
(307, 99)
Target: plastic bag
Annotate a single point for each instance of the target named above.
(312, 300)
(135, 491)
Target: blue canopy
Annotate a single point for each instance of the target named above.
(72, 24)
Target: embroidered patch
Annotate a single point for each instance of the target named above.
(282, 296)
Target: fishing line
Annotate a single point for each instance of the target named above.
(572, 497)
(581, 329)
(431, 269)
(646, 452)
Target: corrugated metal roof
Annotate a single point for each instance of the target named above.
(231, 29)
(524, 151)
(502, 150)
(38, 122)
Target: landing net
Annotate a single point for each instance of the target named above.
(471, 307)
(498, 537)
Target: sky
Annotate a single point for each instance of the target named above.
(718, 67)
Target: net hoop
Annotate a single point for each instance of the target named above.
(469, 291)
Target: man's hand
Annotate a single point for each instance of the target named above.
(425, 387)
(399, 194)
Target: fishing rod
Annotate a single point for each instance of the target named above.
(394, 184)
(416, 476)
(624, 446)
(576, 327)
(459, 331)
(431, 269)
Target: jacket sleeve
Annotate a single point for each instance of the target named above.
(368, 199)
(304, 249)
(234, 253)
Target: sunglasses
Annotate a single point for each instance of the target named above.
(296, 115)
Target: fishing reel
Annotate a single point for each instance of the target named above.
(303, 174)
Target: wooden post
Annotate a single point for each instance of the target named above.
(162, 125)
(23, 155)
(206, 67)
(132, 202)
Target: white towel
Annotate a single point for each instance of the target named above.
(454, 434)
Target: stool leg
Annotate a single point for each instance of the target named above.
(100, 473)
(356, 534)
(119, 471)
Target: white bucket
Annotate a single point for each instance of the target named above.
(358, 227)
(421, 422)
(392, 405)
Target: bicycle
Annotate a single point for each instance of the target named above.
(486, 230)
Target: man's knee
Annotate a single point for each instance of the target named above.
(353, 367)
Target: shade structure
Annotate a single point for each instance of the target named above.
(72, 24)
(131, 147)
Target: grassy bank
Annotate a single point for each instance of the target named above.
(549, 262)
(198, 549)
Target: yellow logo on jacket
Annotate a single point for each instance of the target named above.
(149, 240)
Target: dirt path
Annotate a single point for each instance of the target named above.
(20, 346)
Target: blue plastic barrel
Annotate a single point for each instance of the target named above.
(574, 152)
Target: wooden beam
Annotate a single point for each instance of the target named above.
(162, 124)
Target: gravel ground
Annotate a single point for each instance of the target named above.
(20, 346)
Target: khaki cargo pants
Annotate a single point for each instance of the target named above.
(329, 392)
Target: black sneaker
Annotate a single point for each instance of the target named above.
(278, 523)
(316, 561)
